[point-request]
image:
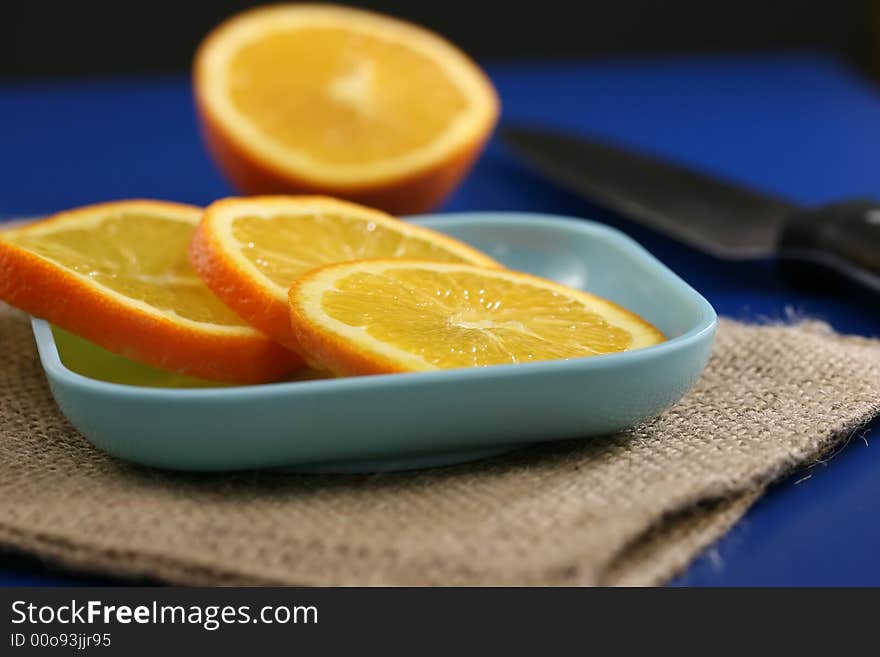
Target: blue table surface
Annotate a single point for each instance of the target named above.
(799, 125)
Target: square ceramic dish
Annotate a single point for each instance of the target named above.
(407, 420)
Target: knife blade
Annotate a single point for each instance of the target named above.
(721, 218)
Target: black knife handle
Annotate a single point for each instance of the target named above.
(844, 236)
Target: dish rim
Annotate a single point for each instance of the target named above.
(55, 368)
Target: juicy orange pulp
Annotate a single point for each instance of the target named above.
(375, 316)
(351, 98)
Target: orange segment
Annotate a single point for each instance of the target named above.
(117, 274)
(383, 316)
(249, 251)
(322, 98)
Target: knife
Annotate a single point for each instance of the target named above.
(720, 218)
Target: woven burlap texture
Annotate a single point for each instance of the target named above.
(632, 508)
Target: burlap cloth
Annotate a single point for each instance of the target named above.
(632, 508)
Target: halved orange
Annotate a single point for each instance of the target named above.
(326, 99)
(384, 316)
(249, 251)
(117, 274)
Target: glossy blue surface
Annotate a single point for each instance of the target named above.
(801, 126)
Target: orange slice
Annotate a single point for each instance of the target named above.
(250, 250)
(340, 101)
(117, 274)
(383, 316)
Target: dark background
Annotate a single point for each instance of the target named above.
(130, 36)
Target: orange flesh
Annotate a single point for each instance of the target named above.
(342, 97)
(284, 247)
(461, 321)
(161, 277)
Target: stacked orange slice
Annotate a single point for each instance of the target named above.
(117, 275)
(386, 316)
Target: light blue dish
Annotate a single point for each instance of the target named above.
(405, 421)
